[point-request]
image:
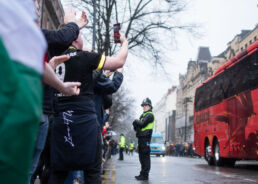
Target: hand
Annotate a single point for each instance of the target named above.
(70, 16)
(70, 88)
(135, 122)
(135, 125)
(107, 111)
(57, 60)
(83, 21)
(122, 37)
(108, 73)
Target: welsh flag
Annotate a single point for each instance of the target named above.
(22, 47)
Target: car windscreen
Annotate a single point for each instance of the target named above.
(158, 140)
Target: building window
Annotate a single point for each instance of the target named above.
(255, 38)
(246, 45)
(242, 48)
(250, 42)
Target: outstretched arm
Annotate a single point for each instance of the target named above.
(118, 61)
(56, 60)
(64, 36)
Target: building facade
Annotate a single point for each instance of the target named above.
(238, 44)
(164, 112)
(51, 14)
(197, 72)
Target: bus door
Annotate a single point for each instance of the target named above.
(237, 118)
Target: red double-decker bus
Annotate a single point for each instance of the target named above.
(226, 111)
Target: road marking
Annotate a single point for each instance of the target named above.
(113, 174)
(106, 173)
(110, 173)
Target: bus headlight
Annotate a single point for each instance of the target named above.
(163, 148)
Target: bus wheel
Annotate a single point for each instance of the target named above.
(207, 154)
(218, 161)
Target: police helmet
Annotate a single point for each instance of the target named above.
(146, 101)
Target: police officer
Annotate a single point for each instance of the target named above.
(143, 128)
(131, 148)
(122, 147)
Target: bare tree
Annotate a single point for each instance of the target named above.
(144, 22)
(121, 113)
(149, 25)
(131, 136)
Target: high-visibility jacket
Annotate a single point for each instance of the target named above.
(122, 142)
(131, 146)
(150, 124)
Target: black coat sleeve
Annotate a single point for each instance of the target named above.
(107, 101)
(146, 120)
(64, 36)
(105, 86)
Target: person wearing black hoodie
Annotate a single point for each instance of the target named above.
(104, 87)
(75, 131)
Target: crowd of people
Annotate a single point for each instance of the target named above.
(180, 150)
(61, 135)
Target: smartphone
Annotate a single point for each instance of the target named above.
(117, 28)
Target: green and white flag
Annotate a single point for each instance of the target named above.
(22, 47)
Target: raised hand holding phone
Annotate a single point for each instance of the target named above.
(117, 28)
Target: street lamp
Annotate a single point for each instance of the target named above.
(186, 100)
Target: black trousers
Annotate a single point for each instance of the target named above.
(92, 172)
(144, 155)
(121, 155)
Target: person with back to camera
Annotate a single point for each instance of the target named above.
(75, 131)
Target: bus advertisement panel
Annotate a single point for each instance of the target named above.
(226, 111)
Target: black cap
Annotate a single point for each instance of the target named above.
(146, 101)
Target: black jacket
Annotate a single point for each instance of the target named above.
(139, 124)
(58, 41)
(103, 87)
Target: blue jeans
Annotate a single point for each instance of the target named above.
(39, 145)
(73, 175)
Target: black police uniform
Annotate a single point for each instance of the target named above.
(144, 138)
(76, 141)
